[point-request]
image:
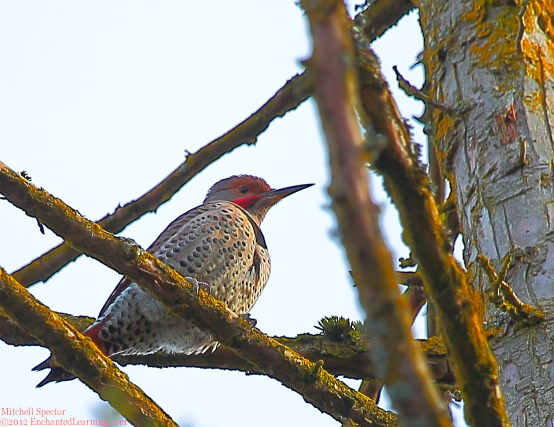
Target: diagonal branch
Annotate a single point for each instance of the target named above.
(379, 17)
(315, 384)
(395, 157)
(289, 97)
(397, 358)
(80, 354)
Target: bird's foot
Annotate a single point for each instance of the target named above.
(196, 286)
(251, 322)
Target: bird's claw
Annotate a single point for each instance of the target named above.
(196, 286)
(251, 322)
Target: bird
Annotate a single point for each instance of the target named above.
(218, 246)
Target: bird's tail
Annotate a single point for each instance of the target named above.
(57, 373)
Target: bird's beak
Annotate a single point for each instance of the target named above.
(276, 195)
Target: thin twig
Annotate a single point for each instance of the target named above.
(504, 297)
(521, 25)
(419, 94)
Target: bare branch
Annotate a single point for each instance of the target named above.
(379, 16)
(289, 97)
(383, 14)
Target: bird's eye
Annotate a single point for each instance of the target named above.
(243, 190)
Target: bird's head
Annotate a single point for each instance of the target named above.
(250, 193)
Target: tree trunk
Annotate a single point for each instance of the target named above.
(490, 65)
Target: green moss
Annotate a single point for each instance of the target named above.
(336, 328)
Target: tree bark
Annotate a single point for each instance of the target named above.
(490, 65)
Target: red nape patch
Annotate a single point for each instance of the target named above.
(92, 333)
(247, 202)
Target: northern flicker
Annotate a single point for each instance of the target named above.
(218, 244)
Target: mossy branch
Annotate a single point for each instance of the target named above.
(272, 358)
(347, 354)
(408, 185)
(79, 355)
(398, 361)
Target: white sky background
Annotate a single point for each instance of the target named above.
(98, 103)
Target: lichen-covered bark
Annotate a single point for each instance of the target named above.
(492, 64)
(85, 360)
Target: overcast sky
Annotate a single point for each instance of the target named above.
(99, 102)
